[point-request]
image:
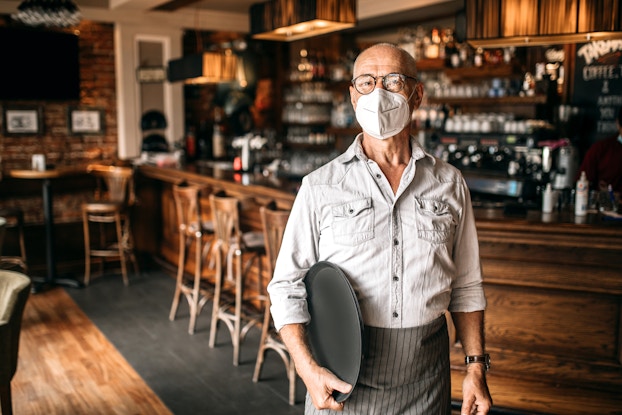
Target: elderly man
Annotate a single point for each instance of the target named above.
(399, 223)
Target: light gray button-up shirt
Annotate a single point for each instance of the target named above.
(409, 256)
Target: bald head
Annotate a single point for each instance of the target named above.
(401, 59)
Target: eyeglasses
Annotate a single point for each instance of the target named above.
(393, 82)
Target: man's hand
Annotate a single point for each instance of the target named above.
(321, 383)
(476, 399)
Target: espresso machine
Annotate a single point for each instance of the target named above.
(502, 169)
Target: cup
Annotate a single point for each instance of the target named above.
(38, 162)
(608, 201)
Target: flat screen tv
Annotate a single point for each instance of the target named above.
(38, 65)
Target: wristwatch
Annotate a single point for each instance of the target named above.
(485, 359)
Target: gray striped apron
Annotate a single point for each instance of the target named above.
(405, 371)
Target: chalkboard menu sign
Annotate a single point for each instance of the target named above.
(598, 85)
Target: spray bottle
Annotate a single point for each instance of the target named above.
(581, 196)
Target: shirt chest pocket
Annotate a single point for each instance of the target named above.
(353, 222)
(434, 219)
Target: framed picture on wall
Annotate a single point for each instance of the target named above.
(86, 121)
(22, 120)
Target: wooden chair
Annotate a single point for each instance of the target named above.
(193, 228)
(114, 199)
(14, 219)
(230, 305)
(14, 292)
(274, 222)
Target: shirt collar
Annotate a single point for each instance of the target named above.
(356, 151)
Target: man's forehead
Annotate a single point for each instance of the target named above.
(382, 68)
(379, 60)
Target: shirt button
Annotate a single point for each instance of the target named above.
(378, 176)
(396, 242)
(396, 278)
(395, 314)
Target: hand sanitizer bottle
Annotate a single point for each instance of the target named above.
(547, 199)
(581, 196)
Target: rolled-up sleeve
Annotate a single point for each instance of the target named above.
(467, 290)
(298, 253)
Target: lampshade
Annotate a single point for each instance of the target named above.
(288, 20)
(204, 68)
(49, 13)
(500, 23)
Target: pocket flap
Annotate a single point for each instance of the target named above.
(351, 209)
(435, 207)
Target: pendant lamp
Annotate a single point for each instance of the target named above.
(204, 68)
(48, 13)
(289, 20)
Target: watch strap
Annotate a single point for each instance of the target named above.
(485, 359)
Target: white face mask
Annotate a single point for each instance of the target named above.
(382, 114)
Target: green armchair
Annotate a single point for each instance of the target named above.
(14, 291)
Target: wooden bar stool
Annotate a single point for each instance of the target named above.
(14, 220)
(114, 199)
(193, 228)
(230, 305)
(274, 222)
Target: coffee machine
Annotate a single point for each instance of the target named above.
(506, 168)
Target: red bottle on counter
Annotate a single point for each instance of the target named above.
(191, 144)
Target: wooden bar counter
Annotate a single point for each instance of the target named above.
(554, 290)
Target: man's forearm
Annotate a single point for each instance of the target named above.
(470, 331)
(294, 337)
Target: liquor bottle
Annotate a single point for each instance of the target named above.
(433, 48)
(204, 143)
(478, 58)
(464, 51)
(191, 144)
(321, 68)
(452, 55)
(218, 138)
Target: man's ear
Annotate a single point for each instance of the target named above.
(418, 95)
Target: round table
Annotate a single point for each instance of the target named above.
(46, 176)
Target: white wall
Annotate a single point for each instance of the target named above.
(129, 106)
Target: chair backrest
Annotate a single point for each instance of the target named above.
(226, 214)
(188, 205)
(118, 183)
(14, 291)
(273, 222)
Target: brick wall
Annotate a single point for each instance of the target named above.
(97, 85)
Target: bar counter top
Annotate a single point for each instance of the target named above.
(285, 189)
